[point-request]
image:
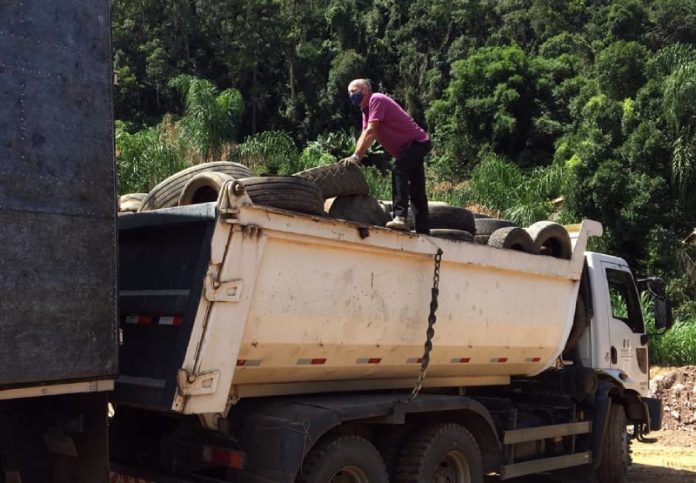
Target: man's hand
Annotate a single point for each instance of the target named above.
(350, 160)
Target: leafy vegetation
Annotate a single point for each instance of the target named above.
(559, 109)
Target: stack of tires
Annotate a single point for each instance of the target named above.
(346, 193)
(341, 191)
(202, 183)
(541, 238)
(446, 221)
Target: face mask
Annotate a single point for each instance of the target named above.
(356, 98)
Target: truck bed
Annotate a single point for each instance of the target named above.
(278, 302)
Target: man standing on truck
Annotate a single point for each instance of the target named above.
(385, 121)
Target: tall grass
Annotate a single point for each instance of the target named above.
(677, 346)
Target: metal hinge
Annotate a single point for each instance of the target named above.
(197, 384)
(229, 291)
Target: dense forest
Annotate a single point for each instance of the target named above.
(561, 109)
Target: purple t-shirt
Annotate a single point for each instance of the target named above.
(397, 130)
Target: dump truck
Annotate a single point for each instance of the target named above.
(58, 282)
(261, 344)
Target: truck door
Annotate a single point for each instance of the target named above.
(628, 353)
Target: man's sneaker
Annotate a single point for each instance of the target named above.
(398, 223)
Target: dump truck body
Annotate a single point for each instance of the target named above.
(275, 303)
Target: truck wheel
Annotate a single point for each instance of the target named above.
(616, 457)
(337, 180)
(441, 452)
(203, 188)
(551, 239)
(512, 238)
(166, 194)
(343, 459)
(285, 192)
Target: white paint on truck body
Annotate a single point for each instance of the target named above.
(316, 307)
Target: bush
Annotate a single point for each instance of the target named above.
(677, 346)
(146, 157)
(268, 152)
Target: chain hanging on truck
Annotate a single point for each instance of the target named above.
(432, 318)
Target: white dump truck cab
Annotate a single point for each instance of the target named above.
(615, 342)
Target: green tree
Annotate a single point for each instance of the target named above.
(211, 119)
(620, 69)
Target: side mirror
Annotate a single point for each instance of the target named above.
(663, 307)
(663, 313)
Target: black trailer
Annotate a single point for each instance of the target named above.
(58, 331)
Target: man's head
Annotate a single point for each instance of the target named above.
(359, 91)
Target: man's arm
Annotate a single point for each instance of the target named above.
(366, 139)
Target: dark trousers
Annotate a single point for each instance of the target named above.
(408, 182)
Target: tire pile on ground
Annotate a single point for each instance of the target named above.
(677, 390)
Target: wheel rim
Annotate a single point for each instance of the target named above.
(453, 468)
(350, 474)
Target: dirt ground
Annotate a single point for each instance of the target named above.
(670, 456)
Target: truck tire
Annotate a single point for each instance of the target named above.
(486, 226)
(441, 452)
(551, 239)
(442, 215)
(456, 235)
(512, 238)
(345, 459)
(166, 194)
(358, 208)
(337, 180)
(616, 455)
(481, 239)
(203, 188)
(285, 192)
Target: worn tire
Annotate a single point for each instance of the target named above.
(486, 226)
(285, 192)
(130, 202)
(348, 453)
(359, 208)
(442, 215)
(481, 239)
(436, 449)
(551, 239)
(456, 235)
(616, 455)
(203, 188)
(512, 238)
(166, 193)
(337, 179)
